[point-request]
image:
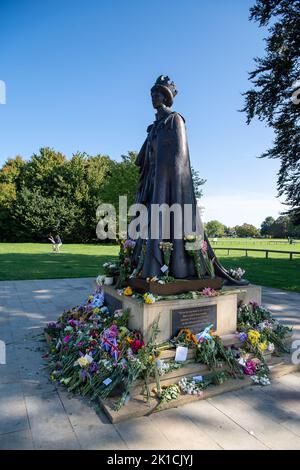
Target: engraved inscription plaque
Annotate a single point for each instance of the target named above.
(194, 318)
(113, 303)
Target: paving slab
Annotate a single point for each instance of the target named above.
(34, 413)
(257, 423)
(19, 440)
(143, 434)
(180, 430)
(13, 413)
(49, 423)
(221, 428)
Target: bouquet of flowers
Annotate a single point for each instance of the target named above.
(167, 249)
(110, 269)
(126, 265)
(198, 249)
(236, 273)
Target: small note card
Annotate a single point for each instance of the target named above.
(198, 378)
(181, 353)
(164, 268)
(107, 381)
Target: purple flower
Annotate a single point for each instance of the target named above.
(93, 367)
(243, 337)
(83, 374)
(128, 244)
(66, 338)
(253, 304)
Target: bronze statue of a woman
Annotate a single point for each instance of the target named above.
(166, 178)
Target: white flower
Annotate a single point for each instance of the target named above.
(100, 280)
(271, 347)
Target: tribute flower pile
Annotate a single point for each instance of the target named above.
(92, 351)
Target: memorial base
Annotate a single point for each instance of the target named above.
(195, 314)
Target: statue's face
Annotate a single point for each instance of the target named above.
(158, 98)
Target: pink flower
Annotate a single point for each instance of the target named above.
(204, 246)
(250, 367)
(209, 292)
(66, 338)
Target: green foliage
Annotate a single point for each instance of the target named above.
(246, 230)
(282, 227)
(214, 228)
(197, 182)
(50, 193)
(274, 96)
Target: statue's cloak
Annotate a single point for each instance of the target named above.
(166, 178)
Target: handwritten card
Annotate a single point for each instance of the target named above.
(181, 353)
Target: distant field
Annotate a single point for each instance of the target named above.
(36, 261)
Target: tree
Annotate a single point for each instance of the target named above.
(273, 97)
(280, 227)
(50, 193)
(246, 230)
(9, 174)
(197, 182)
(266, 226)
(214, 228)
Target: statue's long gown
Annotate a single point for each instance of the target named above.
(165, 177)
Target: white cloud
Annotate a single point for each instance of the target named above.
(236, 209)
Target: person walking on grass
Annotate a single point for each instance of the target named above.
(53, 243)
(58, 243)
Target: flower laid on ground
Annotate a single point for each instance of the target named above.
(249, 367)
(243, 337)
(128, 291)
(184, 337)
(209, 292)
(236, 273)
(253, 337)
(261, 380)
(93, 351)
(169, 393)
(149, 298)
(166, 367)
(194, 385)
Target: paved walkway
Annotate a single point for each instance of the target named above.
(36, 415)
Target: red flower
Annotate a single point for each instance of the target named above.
(136, 344)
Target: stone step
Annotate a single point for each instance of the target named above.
(137, 406)
(190, 369)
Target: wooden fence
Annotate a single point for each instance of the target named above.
(266, 251)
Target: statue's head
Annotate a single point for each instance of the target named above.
(163, 92)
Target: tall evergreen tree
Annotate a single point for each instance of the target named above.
(275, 95)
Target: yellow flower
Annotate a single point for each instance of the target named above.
(128, 291)
(82, 361)
(253, 337)
(263, 345)
(90, 297)
(149, 298)
(96, 310)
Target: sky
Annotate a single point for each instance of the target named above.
(78, 75)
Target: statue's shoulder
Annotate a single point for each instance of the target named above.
(174, 119)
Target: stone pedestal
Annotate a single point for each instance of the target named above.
(196, 314)
(246, 294)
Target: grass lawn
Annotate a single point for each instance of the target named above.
(36, 261)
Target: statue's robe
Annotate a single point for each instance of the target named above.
(166, 178)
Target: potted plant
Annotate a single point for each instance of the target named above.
(110, 270)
